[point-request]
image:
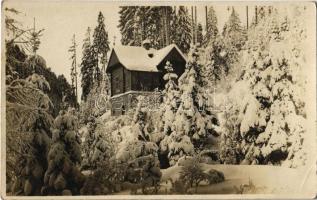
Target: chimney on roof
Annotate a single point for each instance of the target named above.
(146, 44)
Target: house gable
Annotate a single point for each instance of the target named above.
(113, 61)
(176, 59)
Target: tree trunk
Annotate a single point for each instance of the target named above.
(256, 15)
(206, 10)
(193, 36)
(167, 26)
(247, 10)
(195, 26)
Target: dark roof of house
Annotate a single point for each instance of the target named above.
(137, 58)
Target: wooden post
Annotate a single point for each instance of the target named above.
(193, 36)
(206, 9)
(75, 66)
(167, 26)
(195, 27)
(247, 10)
(256, 15)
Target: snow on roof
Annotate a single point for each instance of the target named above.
(137, 59)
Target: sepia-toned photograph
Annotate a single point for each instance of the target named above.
(186, 100)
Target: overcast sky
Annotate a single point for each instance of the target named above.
(62, 19)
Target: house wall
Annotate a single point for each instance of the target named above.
(117, 80)
(176, 60)
(127, 77)
(145, 81)
(121, 104)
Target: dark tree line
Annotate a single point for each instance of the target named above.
(18, 65)
(162, 25)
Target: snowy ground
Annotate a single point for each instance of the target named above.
(265, 180)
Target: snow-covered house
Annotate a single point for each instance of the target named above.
(139, 70)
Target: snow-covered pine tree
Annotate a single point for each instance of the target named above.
(95, 147)
(138, 23)
(27, 112)
(171, 98)
(73, 70)
(132, 24)
(212, 29)
(193, 119)
(135, 141)
(87, 143)
(234, 37)
(183, 32)
(230, 140)
(157, 20)
(100, 46)
(137, 152)
(173, 26)
(168, 108)
(200, 36)
(216, 62)
(271, 114)
(62, 176)
(87, 67)
(126, 24)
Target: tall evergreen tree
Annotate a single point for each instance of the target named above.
(171, 97)
(212, 29)
(234, 36)
(27, 112)
(173, 26)
(100, 48)
(62, 176)
(193, 120)
(87, 66)
(268, 126)
(154, 23)
(200, 34)
(126, 24)
(183, 35)
(73, 71)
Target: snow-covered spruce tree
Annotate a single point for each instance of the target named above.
(88, 136)
(73, 69)
(95, 147)
(136, 143)
(87, 65)
(133, 24)
(173, 26)
(230, 119)
(212, 29)
(62, 176)
(28, 123)
(100, 48)
(272, 115)
(216, 62)
(234, 37)
(183, 34)
(167, 110)
(193, 120)
(126, 22)
(171, 97)
(200, 35)
(138, 152)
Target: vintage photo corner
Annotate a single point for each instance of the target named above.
(172, 100)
